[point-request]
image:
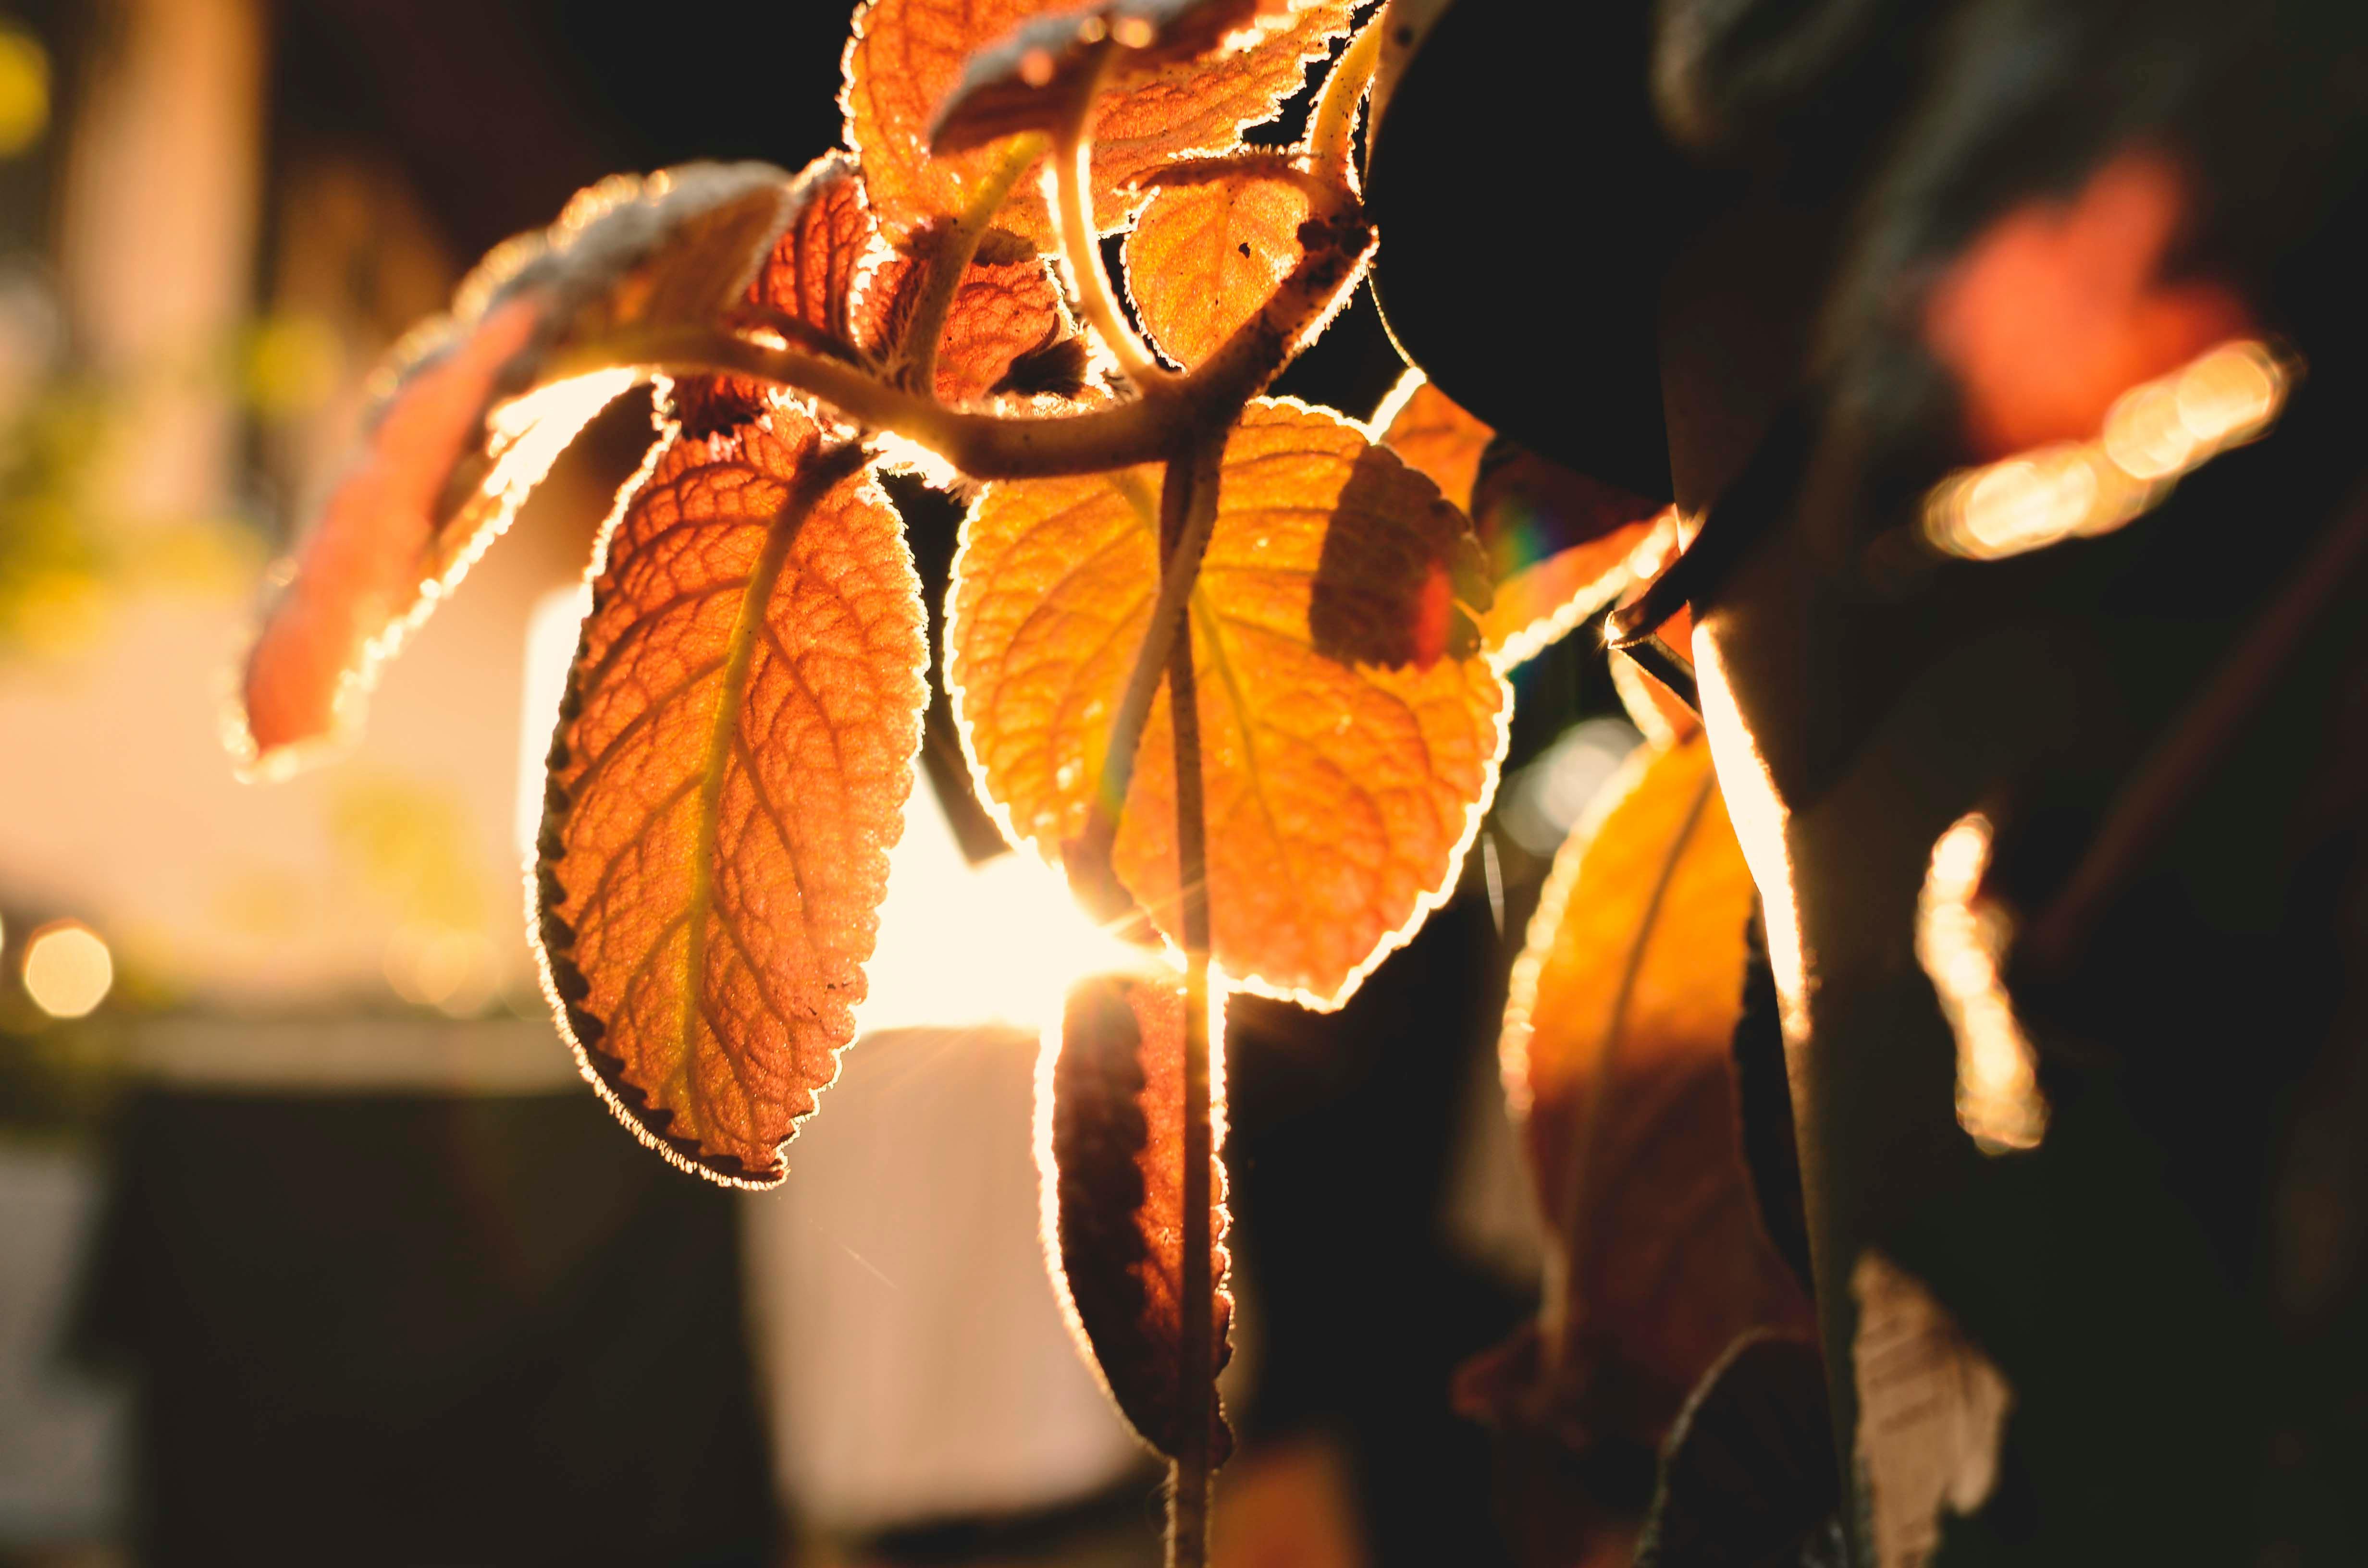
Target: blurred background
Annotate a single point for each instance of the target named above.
(313, 1246)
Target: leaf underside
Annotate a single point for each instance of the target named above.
(1351, 728)
(730, 768)
(1114, 1147)
(1205, 257)
(1560, 546)
(449, 458)
(909, 56)
(1618, 1036)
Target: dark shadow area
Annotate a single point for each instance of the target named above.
(399, 1331)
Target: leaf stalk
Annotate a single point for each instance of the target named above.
(1332, 128)
(1181, 499)
(1181, 547)
(1073, 213)
(917, 366)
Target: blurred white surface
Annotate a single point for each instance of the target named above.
(915, 1365)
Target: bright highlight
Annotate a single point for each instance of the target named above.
(962, 945)
(68, 970)
(2155, 435)
(1960, 939)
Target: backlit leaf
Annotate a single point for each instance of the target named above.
(730, 771)
(812, 273)
(1434, 435)
(454, 448)
(1025, 80)
(1110, 1116)
(1349, 729)
(1006, 308)
(1561, 546)
(1617, 1048)
(1205, 257)
(908, 56)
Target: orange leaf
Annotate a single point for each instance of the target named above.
(1561, 546)
(1350, 729)
(1028, 79)
(811, 274)
(1109, 1128)
(1616, 1046)
(908, 55)
(1006, 308)
(1434, 435)
(454, 448)
(2059, 307)
(1205, 255)
(730, 768)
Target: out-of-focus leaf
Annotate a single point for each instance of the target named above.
(2056, 308)
(1109, 1145)
(1616, 1048)
(1748, 1474)
(1206, 254)
(1006, 308)
(1561, 546)
(1027, 80)
(908, 56)
(1349, 729)
(730, 768)
(453, 446)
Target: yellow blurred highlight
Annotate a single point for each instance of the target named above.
(59, 613)
(24, 91)
(68, 969)
(293, 364)
(1960, 939)
(440, 967)
(2155, 435)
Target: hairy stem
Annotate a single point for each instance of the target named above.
(1196, 1372)
(916, 370)
(1331, 129)
(987, 446)
(1073, 212)
(1181, 546)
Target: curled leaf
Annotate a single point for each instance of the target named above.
(1006, 308)
(1350, 730)
(909, 56)
(1561, 546)
(1109, 1128)
(1616, 1051)
(1027, 80)
(812, 273)
(465, 427)
(1205, 257)
(730, 768)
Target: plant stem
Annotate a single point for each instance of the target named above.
(1181, 547)
(987, 446)
(1073, 212)
(1187, 1519)
(916, 367)
(1331, 129)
